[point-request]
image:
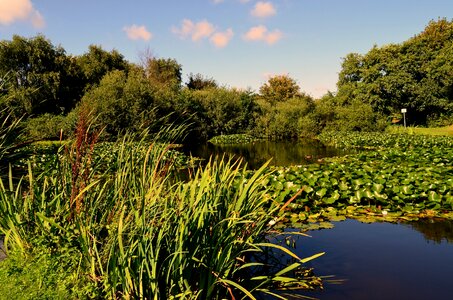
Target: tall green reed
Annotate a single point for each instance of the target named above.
(141, 234)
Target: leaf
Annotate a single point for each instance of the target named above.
(322, 192)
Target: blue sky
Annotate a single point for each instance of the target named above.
(240, 43)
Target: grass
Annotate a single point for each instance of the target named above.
(138, 234)
(447, 130)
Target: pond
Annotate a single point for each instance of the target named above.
(283, 153)
(368, 261)
(382, 260)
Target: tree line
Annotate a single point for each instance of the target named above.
(49, 89)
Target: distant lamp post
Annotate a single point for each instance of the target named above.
(404, 111)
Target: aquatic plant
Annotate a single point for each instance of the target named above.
(233, 139)
(136, 233)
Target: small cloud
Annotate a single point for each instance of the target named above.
(263, 9)
(217, 1)
(37, 20)
(260, 33)
(136, 32)
(221, 39)
(20, 10)
(196, 31)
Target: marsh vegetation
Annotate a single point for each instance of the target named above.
(96, 200)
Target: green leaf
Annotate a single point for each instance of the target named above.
(322, 192)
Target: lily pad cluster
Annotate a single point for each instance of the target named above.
(378, 140)
(233, 139)
(413, 177)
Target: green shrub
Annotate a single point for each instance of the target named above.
(49, 127)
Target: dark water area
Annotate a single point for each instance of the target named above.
(283, 153)
(367, 261)
(382, 260)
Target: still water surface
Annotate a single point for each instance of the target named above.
(383, 260)
(374, 261)
(283, 153)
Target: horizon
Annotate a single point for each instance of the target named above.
(238, 43)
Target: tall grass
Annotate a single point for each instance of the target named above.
(139, 234)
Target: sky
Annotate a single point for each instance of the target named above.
(239, 43)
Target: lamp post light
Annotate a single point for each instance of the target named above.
(404, 111)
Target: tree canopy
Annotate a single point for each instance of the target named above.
(416, 74)
(279, 88)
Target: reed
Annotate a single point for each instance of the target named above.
(141, 234)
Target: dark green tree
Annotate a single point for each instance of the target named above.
(39, 77)
(122, 101)
(415, 74)
(97, 62)
(199, 82)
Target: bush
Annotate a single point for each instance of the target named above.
(49, 127)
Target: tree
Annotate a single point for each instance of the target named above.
(39, 77)
(415, 74)
(122, 101)
(279, 88)
(199, 82)
(218, 111)
(97, 62)
(164, 73)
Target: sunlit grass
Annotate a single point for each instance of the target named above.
(137, 233)
(447, 130)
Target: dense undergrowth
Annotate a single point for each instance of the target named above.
(115, 223)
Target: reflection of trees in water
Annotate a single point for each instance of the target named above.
(283, 153)
(434, 230)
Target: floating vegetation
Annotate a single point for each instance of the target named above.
(379, 140)
(233, 139)
(411, 179)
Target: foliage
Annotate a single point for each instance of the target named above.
(137, 232)
(41, 275)
(448, 130)
(406, 175)
(164, 73)
(375, 140)
(218, 111)
(97, 62)
(415, 74)
(40, 78)
(123, 101)
(233, 139)
(9, 134)
(279, 88)
(198, 82)
(286, 119)
(49, 127)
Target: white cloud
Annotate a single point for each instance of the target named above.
(263, 9)
(217, 1)
(261, 33)
(203, 30)
(136, 32)
(196, 31)
(221, 39)
(20, 10)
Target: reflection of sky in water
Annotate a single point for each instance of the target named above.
(283, 153)
(382, 260)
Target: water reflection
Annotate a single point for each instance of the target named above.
(438, 231)
(382, 260)
(283, 153)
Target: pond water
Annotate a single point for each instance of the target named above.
(283, 153)
(371, 261)
(382, 260)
